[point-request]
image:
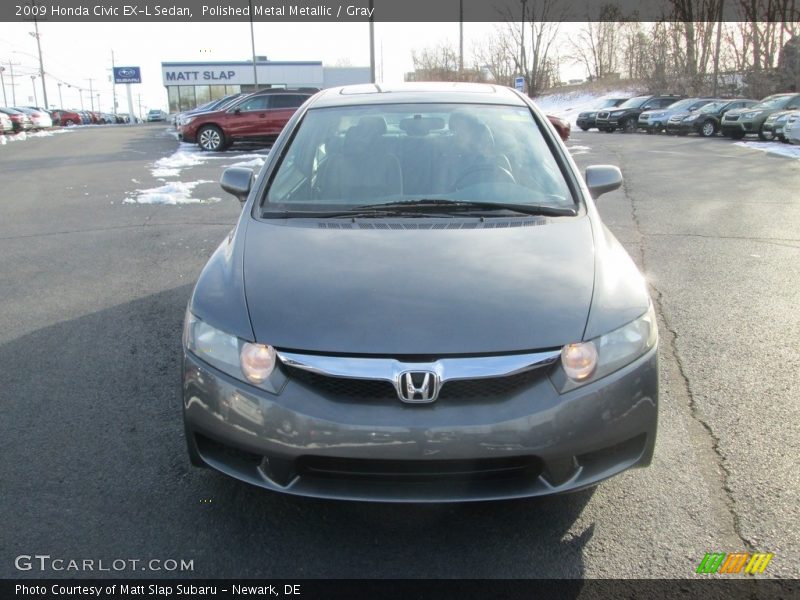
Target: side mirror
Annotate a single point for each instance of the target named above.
(237, 181)
(601, 179)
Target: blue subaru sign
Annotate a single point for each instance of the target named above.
(519, 83)
(127, 75)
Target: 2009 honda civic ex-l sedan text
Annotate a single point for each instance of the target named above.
(420, 303)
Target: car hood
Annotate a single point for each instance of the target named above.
(408, 289)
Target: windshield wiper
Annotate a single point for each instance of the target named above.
(338, 214)
(427, 203)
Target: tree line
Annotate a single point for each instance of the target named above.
(695, 48)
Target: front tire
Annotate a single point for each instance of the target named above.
(584, 129)
(765, 136)
(629, 126)
(708, 129)
(737, 135)
(211, 138)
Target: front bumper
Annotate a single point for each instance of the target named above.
(651, 126)
(586, 122)
(533, 441)
(187, 135)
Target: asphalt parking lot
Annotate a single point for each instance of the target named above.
(95, 278)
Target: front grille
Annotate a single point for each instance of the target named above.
(644, 117)
(406, 471)
(374, 390)
(603, 115)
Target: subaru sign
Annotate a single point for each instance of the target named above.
(127, 75)
(519, 84)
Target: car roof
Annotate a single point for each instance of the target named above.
(406, 93)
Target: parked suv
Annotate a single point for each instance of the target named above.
(587, 120)
(653, 121)
(257, 117)
(738, 123)
(626, 115)
(706, 119)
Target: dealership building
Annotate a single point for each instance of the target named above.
(190, 84)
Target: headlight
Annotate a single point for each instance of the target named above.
(750, 115)
(186, 120)
(584, 362)
(238, 358)
(656, 115)
(617, 113)
(691, 118)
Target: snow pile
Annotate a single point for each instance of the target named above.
(256, 163)
(576, 150)
(170, 166)
(773, 148)
(177, 192)
(569, 105)
(24, 135)
(190, 155)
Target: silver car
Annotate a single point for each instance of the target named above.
(420, 302)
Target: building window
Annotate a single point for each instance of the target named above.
(217, 92)
(187, 97)
(172, 94)
(202, 94)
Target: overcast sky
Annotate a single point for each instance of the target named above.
(75, 52)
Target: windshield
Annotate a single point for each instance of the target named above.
(774, 102)
(349, 157)
(608, 103)
(712, 107)
(634, 102)
(683, 104)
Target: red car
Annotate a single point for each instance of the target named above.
(562, 126)
(257, 117)
(66, 118)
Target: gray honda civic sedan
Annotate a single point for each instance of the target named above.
(420, 303)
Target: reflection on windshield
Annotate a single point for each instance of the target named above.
(634, 102)
(352, 156)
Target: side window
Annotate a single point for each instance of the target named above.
(665, 102)
(257, 103)
(286, 101)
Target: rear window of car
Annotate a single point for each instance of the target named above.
(287, 100)
(350, 156)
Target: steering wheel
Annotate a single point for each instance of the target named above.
(484, 174)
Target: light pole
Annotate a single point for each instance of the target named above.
(41, 62)
(60, 99)
(33, 85)
(371, 43)
(252, 45)
(3, 82)
(522, 44)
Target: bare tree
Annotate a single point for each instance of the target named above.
(496, 54)
(533, 33)
(597, 44)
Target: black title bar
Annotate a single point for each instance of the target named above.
(705, 587)
(388, 10)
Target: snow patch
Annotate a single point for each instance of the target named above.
(570, 104)
(177, 192)
(773, 148)
(576, 150)
(189, 155)
(256, 163)
(24, 135)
